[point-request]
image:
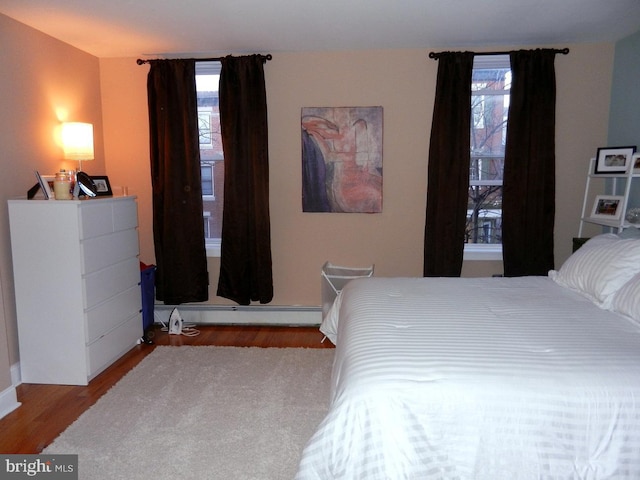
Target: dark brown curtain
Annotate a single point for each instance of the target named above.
(529, 171)
(178, 227)
(245, 264)
(448, 181)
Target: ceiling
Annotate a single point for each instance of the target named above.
(156, 28)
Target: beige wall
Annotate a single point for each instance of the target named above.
(43, 81)
(403, 83)
(126, 133)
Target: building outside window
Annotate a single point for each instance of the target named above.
(490, 89)
(211, 153)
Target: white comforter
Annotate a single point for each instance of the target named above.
(484, 379)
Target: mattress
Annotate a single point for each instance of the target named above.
(463, 378)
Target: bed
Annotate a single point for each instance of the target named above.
(487, 378)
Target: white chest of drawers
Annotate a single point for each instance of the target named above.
(76, 275)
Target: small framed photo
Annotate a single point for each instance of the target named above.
(635, 163)
(49, 181)
(614, 160)
(46, 184)
(607, 207)
(103, 187)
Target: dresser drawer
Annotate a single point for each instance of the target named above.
(125, 215)
(101, 218)
(104, 284)
(108, 315)
(100, 252)
(96, 218)
(104, 351)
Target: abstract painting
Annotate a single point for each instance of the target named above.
(342, 159)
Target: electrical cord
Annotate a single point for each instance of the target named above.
(188, 329)
(185, 329)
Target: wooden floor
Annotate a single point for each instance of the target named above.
(47, 410)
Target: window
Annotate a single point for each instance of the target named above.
(490, 87)
(208, 186)
(211, 154)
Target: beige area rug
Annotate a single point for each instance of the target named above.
(204, 413)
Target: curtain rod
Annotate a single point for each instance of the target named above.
(213, 59)
(436, 55)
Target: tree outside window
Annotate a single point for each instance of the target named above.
(211, 153)
(490, 87)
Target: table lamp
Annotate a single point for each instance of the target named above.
(77, 141)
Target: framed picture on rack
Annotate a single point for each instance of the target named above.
(607, 207)
(635, 163)
(614, 160)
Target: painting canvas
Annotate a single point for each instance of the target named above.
(342, 159)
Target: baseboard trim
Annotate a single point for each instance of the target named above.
(16, 375)
(8, 401)
(242, 315)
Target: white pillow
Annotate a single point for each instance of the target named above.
(599, 269)
(627, 299)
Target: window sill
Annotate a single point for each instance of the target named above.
(213, 248)
(482, 252)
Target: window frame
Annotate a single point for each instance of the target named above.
(207, 164)
(212, 245)
(478, 251)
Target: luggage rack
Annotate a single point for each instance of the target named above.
(335, 277)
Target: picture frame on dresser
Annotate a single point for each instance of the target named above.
(103, 187)
(48, 180)
(43, 181)
(635, 163)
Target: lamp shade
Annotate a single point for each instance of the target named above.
(77, 141)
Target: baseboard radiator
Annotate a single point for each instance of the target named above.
(202, 314)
